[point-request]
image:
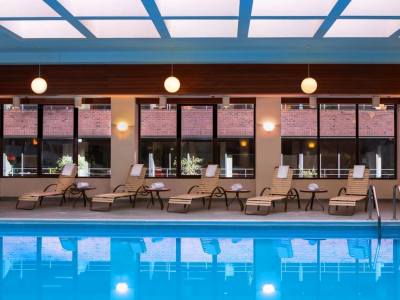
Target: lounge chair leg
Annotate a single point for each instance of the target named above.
(209, 203)
(17, 206)
(133, 201)
(366, 204)
(204, 201)
(40, 201)
(286, 205)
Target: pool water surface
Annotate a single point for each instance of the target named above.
(198, 261)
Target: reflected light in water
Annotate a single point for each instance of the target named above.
(122, 288)
(268, 289)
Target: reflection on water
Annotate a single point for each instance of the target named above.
(198, 268)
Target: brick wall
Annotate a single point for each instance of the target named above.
(156, 122)
(94, 122)
(20, 122)
(197, 123)
(303, 122)
(235, 122)
(58, 121)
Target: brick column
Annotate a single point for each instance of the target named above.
(123, 144)
(268, 144)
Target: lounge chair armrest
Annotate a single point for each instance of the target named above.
(49, 186)
(192, 188)
(342, 190)
(117, 187)
(264, 189)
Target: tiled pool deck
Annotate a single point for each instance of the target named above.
(123, 211)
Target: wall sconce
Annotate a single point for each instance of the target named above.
(122, 126)
(268, 126)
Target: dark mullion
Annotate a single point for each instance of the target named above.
(75, 137)
(215, 147)
(395, 141)
(2, 134)
(39, 139)
(318, 142)
(178, 139)
(357, 138)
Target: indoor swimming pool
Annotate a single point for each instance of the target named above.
(188, 260)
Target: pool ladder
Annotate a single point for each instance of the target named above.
(373, 203)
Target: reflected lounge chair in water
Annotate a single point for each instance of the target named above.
(210, 246)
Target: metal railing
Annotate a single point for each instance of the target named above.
(53, 171)
(339, 173)
(373, 203)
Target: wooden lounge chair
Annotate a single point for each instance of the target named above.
(64, 182)
(207, 188)
(280, 190)
(355, 192)
(134, 186)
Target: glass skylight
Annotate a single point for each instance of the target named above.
(283, 28)
(363, 28)
(25, 8)
(46, 29)
(372, 8)
(202, 28)
(103, 8)
(198, 8)
(122, 28)
(292, 7)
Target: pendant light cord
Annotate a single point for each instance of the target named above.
(172, 69)
(308, 70)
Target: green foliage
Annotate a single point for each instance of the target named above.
(83, 165)
(191, 165)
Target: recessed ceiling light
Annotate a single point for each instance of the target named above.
(202, 28)
(292, 7)
(25, 8)
(104, 8)
(372, 8)
(42, 29)
(198, 8)
(283, 28)
(363, 28)
(122, 28)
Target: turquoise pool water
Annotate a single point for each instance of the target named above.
(199, 261)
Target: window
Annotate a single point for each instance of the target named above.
(20, 143)
(347, 134)
(47, 136)
(94, 140)
(182, 139)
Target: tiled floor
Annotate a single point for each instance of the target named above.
(123, 211)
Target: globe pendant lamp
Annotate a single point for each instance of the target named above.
(309, 85)
(172, 84)
(39, 85)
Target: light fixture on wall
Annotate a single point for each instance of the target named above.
(313, 102)
(122, 126)
(162, 102)
(39, 85)
(226, 101)
(16, 103)
(268, 126)
(309, 85)
(376, 103)
(172, 83)
(78, 102)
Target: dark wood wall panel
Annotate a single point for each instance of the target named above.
(202, 79)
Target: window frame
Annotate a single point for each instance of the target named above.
(40, 138)
(356, 138)
(214, 139)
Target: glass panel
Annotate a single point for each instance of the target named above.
(55, 154)
(337, 157)
(155, 122)
(301, 155)
(194, 156)
(94, 120)
(298, 120)
(159, 157)
(236, 121)
(20, 157)
(58, 120)
(197, 121)
(338, 120)
(378, 155)
(20, 122)
(237, 158)
(94, 157)
(374, 122)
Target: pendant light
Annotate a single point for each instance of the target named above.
(309, 85)
(39, 85)
(172, 84)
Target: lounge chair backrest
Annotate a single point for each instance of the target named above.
(357, 186)
(133, 183)
(208, 184)
(281, 186)
(65, 181)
